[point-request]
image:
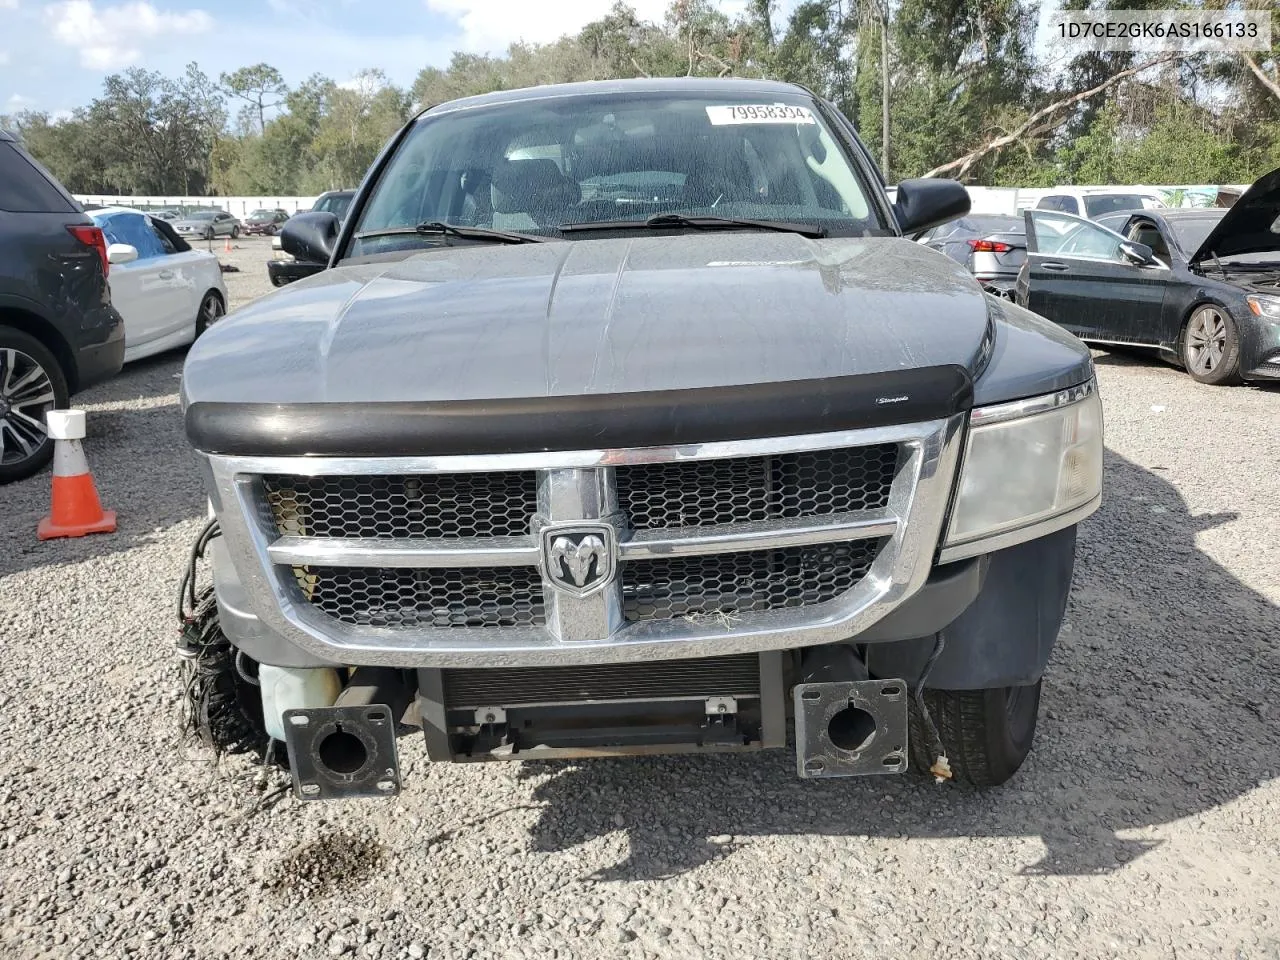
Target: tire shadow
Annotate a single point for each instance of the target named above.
(1159, 704)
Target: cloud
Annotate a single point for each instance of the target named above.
(111, 37)
(490, 26)
(17, 101)
(8, 4)
(4, 54)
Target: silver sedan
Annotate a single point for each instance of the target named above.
(207, 224)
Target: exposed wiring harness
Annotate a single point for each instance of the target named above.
(187, 600)
(941, 768)
(221, 705)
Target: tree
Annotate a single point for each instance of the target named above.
(261, 88)
(359, 118)
(154, 134)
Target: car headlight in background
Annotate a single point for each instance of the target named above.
(1030, 467)
(1268, 307)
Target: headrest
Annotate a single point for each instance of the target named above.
(523, 186)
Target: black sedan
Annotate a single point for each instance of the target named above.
(1200, 286)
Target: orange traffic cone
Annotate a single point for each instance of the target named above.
(227, 248)
(76, 509)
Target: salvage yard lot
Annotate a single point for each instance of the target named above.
(1144, 824)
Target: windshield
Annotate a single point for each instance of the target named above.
(202, 215)
(1111, 202)
(1190, 232)
(529, 167)
(262, 215)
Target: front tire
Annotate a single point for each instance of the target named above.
(235, 233)
(1211, 346)
(31, 384)
(211, 311)
(987, 734)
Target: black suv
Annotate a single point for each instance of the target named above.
(58, 330)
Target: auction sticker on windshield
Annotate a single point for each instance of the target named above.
(758, 113)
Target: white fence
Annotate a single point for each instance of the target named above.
(1016, 199)
(985, 199)
(236, 206)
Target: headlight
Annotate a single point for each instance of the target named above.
(1268, 307)
(1030, 467)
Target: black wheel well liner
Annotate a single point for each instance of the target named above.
(37, 326)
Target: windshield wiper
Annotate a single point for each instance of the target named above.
(664, 221)
(451, 230)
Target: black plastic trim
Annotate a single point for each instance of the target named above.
(592, 422)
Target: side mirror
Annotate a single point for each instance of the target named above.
(122, 253)
(1137, 253)
(924, 203)
(310, 237)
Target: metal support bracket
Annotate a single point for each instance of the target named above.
(851, 728)
(342, 752)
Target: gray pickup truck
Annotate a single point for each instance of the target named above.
(625, 420)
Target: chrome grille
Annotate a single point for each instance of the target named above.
(728, 584)
(411, 597)
(721, 548)
(749, 489)
(444, 505)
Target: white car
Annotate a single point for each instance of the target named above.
(167, 292)
(1094, 202)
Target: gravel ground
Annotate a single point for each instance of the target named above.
(1144, 825)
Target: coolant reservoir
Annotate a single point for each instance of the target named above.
(294, 688)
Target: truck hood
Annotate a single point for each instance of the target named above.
(583, 317)
(1248, 225)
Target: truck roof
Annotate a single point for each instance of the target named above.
(726, 86)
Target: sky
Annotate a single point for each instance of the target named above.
(54, 54)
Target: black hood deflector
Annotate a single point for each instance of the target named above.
(597, 422)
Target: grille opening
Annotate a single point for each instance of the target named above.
(737, 675)
(747, 489)
(410, 597)
(445, 506)
(727, 584)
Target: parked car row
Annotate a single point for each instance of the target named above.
(80, 294)
(1198, 286)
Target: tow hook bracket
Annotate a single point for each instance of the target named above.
(342, 752)
(850, 728)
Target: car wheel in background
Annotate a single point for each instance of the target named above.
(986, 734)
(211, 311)
(1211, 347)
(235, 232)
(31, 384)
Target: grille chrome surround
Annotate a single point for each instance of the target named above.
(901, 531)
